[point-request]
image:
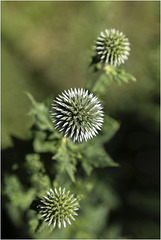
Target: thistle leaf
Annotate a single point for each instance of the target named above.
(111, 74)
(66, 159)
(40, 114)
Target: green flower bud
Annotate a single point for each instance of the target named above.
(112, 47)
(58, 207)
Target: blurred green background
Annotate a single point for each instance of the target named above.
(46, 48)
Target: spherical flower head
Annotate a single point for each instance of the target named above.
(77, 114)
(58, 207)
(112, 47)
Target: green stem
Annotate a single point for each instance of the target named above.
(93, 83)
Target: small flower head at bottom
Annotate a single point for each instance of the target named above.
(58, 207)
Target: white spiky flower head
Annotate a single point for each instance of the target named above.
(58, 207)
(112, 47)
(77, 114)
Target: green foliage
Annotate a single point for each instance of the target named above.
(40, 113)
(37, 49)
(56, 161)
(66, 153)
(16, 192)
(110, 74)
(18, 198)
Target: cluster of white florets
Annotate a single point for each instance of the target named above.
(77, 114)
(112, 47)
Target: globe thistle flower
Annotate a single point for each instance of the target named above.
(58, 207)
(77, 114)
(112, 47)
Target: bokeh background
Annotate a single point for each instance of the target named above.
(46, 48)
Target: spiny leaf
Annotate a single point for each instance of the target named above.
(66, 159)
(111, 74)
(40, 114)
(42, 144)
